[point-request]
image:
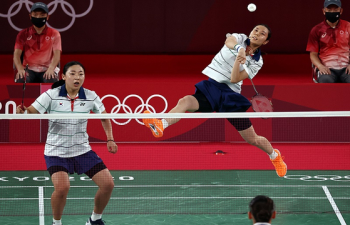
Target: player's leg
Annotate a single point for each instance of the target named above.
(60, 180)
(246, 130)
(98, 172)
(187, 103)
(252, 138)
(104, 180)
(105, 183)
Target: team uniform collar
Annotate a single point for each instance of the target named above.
(257, 52)
(336, 26)
(64, 93)
(33, 31)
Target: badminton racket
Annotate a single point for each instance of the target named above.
(24, 86)
(260, 103)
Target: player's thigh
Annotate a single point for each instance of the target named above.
(103, 179)
(60, 180)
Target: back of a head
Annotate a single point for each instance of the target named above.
(262, 208)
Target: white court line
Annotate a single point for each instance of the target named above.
(155, 198)
(185, 185)
(335, 207)
(41, 206)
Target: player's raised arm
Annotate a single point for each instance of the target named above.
(107, 126)
(231, 41)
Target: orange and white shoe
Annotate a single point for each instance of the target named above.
(155, 125)
(280, 165)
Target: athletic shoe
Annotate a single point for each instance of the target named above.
(155, 125)
(280, 165)
(97, 222)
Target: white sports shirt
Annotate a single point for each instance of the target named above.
(221, 66)
(67, 137)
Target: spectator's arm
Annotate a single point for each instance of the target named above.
(17, 61)
(317, 62)
(55, 60)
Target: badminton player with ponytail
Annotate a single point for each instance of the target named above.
(240, 58)
(67, 148)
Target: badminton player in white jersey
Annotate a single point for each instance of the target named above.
(221, 92)
(67, 148)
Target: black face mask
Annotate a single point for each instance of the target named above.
(332, 16)
(39, 22)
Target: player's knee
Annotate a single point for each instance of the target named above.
(108, 186)
(62, 190)
(184, 102)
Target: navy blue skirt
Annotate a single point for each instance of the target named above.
(222, 98)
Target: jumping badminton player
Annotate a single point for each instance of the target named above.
(221, 93)
(67, 148)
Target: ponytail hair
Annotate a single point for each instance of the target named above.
(57, 84)
(262, 208)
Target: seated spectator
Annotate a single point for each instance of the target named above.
(261, 210)
(328, 45)
(41, 48)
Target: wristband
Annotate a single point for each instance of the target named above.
(110, 140)
(237, 47)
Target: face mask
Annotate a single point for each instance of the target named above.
(332, 16)
(39, 22)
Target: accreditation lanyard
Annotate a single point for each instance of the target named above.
(72, 101)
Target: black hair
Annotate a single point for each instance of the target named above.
(57, 84)
(72, 63)
(268, 28)
(262, 208)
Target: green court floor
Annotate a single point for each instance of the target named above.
(181, 197)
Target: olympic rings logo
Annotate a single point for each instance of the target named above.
(319, 178)
(139, 109)
(28, 4)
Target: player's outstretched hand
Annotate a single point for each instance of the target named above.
(20, 109)
(112, 147)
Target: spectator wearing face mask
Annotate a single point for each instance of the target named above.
(328, 45)
(39, 47)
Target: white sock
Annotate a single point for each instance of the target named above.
(57, 222)
(165, 123)
(273, 155)
(95, 216)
